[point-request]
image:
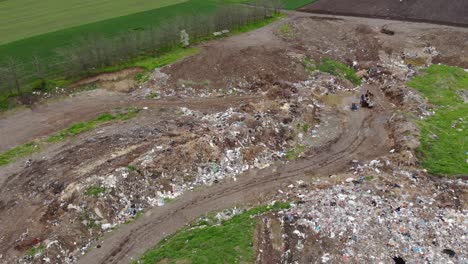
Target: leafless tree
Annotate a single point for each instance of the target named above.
(14, 70)
(39, 67)
(4, 82)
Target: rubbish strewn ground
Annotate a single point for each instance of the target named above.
(247, 121)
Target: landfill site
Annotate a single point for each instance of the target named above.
(246, 122)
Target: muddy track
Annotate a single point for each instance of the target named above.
(363, 133)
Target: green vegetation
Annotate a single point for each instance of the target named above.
(18, 152)
(444, 135)
(88, 125)
(294, 153)
(34, 250)
(87, 218)
(132, 168)
(229, 241)
(309, 65)
(150, 63)
(256, 24)
(284, 29)
(369, 178)
(141, 77)
(94, 191)
(295, 4)
(304, 127)
(338, 69)
(25, 18)
(152, 95)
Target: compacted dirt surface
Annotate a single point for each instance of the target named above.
(431, 11)
(245, 122)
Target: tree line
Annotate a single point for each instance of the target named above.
(92, 52)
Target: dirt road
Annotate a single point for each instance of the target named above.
(364, 137)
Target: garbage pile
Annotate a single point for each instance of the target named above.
(376, 217)
(253, 135)
(193, 149)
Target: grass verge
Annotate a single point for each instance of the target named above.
(444, 135)
(88, 125)
(150, 63)
(229, 241)
(18, 152)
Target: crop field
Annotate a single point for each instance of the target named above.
(25, 18)
(47, 43)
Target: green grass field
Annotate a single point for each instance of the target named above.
(26, 18)
(45, 45)
(444, 135)
(211, 241)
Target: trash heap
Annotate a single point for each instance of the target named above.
(192, 149)
(253, 135)
(375, 217)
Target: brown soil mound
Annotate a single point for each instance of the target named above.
(433, 11)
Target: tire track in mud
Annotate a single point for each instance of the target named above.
(131, 241)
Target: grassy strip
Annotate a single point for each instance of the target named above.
(150, 63)
(227, 242)
(338, 69)
(444, 135)
(28, 148)
(257, 25)
(18, 152)
(88, 125)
